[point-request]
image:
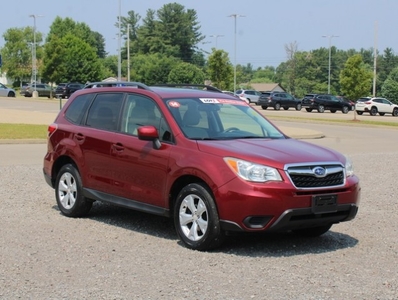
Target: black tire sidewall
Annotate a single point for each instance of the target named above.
(82, 205)
(213, 236)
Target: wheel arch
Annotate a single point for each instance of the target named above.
(58, 164)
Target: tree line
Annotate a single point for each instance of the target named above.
(164, 48)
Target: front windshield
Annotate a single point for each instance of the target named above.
(218, 119)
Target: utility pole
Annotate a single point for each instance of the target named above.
(128, 52)
(330, 56)
(235, 16)
(375, 61)
(34, 64)
(119, 58)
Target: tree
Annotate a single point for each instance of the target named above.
(71, 59)
(291, 50)
(220, 70)
(389, 88)
(355, 78)
(186, 73)
(17, 53)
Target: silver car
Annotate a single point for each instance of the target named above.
(251, 96)
(6, 92)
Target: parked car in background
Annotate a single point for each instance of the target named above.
(351, 103)
(6, 91)
(43, 90)
(251, 96)
(322, 102)
(278, 100)
(64, 90)
(375, 106)
(209, 161)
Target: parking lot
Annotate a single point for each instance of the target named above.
(122, 254)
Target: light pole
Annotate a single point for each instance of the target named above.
(216, 36)
(235, 16)
(34, 66)
(119, 58)
(128, 52)
(330, 56)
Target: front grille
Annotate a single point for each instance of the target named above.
(305, 177)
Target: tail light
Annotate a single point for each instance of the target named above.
(51, 129)
(368, 102)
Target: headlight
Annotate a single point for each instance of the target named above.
(349, 169)
(251, 171)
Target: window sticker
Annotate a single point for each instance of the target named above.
(222, 101)
(174, 104)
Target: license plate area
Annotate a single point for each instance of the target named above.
(324, 204)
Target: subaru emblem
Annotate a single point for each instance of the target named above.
(319, 171)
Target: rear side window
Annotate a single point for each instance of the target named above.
(105, 110)
(78, 108)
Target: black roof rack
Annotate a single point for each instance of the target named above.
(132, 84)
(190, 86)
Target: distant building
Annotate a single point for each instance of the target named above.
(267, 87)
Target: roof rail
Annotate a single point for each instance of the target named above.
(132, 84)
(190, 86)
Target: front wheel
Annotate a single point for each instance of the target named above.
(395, 112)
(298, 106)
(373, 111)
(359, 112)
(381, 114)
(321, 108)
(196, 218)
(308, 109)
(69, 193)
(313, 231)
(345, 110)
(264, 107)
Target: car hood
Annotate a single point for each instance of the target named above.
(276, 153)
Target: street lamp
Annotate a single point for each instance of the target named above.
(34, 67)
(216, 36)
(235, 16)
(330, 55)
(128, 52)
(119, 58)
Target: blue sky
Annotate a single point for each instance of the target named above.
(261, 35)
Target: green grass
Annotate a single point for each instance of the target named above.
(22, 131)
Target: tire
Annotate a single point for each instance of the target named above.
(277, 106)
(359, 112)
(373, 111)
(11, 94)
(298, 106)
(381, 114)
(69, 193)
(345, 110)
(264, 107)
(313, 231)
(308, 109)
(332, 111)
(321, 109)
(395, 112)
(196, 218)
(285, 107)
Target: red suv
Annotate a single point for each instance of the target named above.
(208, 160)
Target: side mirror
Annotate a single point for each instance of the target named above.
(149, 133)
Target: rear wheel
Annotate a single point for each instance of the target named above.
(11, 94)
(395, 112)
(359, 112)
(321, 108)
(264, 107)
(313, 231)
(277, 106)
(308, 109)
(298, 106)
(196, 218)
(373, 111)
(345, 110)
(69, 193)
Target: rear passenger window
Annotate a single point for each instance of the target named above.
(105, 110)
(78, 108)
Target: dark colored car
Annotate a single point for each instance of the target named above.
(43, 90)
(278, 100)
(322, 102)
(64, 90)
(351, 103)
(206, 159)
